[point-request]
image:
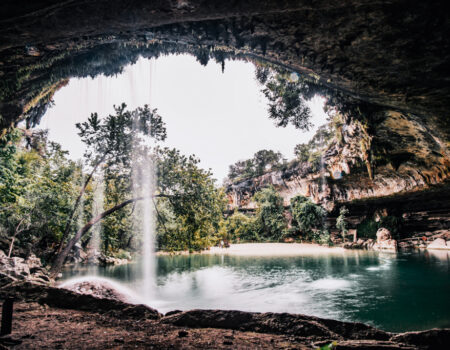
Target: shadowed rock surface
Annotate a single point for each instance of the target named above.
(392, 54)
(45, 321)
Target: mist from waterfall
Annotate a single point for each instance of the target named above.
(144, 182)
(144, 217)
(97, 209)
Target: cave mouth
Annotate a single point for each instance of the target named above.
(366, 51)
(382, 68)
(209, 112)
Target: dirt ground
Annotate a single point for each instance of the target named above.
(41, 327)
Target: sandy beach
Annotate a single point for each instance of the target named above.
(277, 249)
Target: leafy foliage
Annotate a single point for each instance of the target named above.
(270, 222)
(37, 186)
(313, 151)
(190, 207)
(287, 97)
(240, 227)
(308, 217)
(262, 161)
(341, 224)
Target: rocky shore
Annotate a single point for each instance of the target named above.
(42, 320)
(439, 240)
(102, 317)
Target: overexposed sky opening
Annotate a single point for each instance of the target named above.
(219, 117)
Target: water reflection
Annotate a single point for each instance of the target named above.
(394, 292)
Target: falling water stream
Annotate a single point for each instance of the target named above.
(143, 186)
(97, 208)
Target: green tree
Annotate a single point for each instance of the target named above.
(269, 219)
(190, 206)
(302, 152)
(262, 161)
(113, 143)
(37, 189)
(265, 160)
(341, 223)
(287, 94)
(308, 217)
(241, 227)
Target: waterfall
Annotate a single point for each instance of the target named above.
(323, 182)
(97, 208)
(144, 216)
(143, 177)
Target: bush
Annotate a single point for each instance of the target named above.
(368, 227)
(123, 254)
(240, 227)
(307, 216)
(270, 223)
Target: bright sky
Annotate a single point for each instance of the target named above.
(221, 118)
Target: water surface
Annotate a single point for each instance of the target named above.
(395, 292)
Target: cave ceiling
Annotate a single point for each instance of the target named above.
(392, 54)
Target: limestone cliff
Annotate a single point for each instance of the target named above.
(395, 153)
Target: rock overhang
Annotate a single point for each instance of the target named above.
(390, 54)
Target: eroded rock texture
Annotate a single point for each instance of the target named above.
(397, 153)
(392, 54)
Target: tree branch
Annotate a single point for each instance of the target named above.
(77, 203)
(61, 257)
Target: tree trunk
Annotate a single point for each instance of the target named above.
(61, 257)
(11, 246)
(16, 231)
(77, 203)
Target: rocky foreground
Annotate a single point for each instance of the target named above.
(93, 315)
(46, 317)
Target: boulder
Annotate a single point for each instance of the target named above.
(19, 269)
(276, 323)
(99, 288)
(438, 243)
(383, 234)
(368, 244)
(104, 260)
(384, 240)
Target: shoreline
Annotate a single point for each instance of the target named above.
(264, 249)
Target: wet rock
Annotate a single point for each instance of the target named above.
(98, 288)
(109, 260)
(429, 339)
(406, 245)
(368, 244)
(275, 323)
(70, 300)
